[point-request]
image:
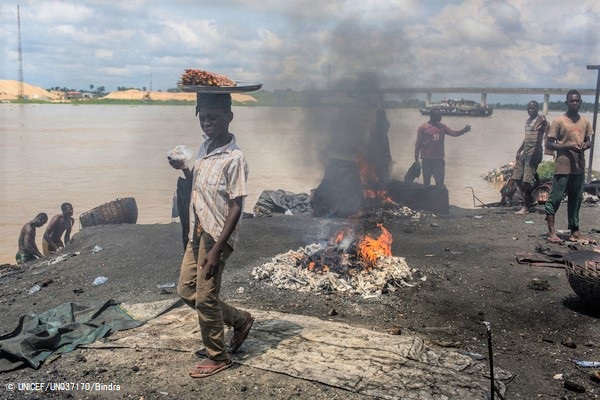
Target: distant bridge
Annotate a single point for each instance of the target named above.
(428, 91)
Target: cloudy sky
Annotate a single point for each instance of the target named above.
(303, 43)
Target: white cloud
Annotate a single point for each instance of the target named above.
(304, 42)
(58, 12)
(103, 53)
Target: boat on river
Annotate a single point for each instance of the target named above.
(462, 107)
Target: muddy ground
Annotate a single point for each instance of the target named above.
(467, 257)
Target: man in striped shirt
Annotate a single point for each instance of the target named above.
(529, 156)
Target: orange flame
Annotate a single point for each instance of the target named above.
(366, 171)
(339, 237)
(370, 249)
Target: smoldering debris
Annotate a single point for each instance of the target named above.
(286, 271)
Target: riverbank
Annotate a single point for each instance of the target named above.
(465, 272)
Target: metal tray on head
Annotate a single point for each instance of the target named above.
(241, 87)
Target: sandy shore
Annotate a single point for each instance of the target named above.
(10, 90)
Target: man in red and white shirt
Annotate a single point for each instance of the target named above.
(430, 146)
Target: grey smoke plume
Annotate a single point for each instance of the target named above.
(361, 59)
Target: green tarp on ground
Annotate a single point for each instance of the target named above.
(60, 330)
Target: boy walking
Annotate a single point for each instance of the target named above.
(218, 189)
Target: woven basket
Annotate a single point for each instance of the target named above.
(584, 278)
(119, 211)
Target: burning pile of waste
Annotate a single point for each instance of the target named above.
(349, 263)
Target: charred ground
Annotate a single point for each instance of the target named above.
(467, 257)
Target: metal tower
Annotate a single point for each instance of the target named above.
(20, 56)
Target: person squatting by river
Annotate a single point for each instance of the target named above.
(570, 136)
(59, 224)
(218, 189)
(430, 146)
(529, 155)
(28, 250)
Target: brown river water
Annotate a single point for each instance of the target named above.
(91, 154)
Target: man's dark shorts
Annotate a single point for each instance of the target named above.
(525, 169)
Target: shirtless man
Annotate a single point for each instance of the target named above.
(60, 223)
(28, 250)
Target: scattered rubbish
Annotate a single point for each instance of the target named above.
(587, 364)
(165, 285)
(61, 258)
(478, 216)
(96, 249)
(35, 289)
(538, 284)
(595, 376)
(165, 288)
(40, 271)
(280, 201)
(529, 222)
(568, 342)
(558, 376)
(474, 356)
(47, 282)
(240, 290)
(101, 280)
(575, 387)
